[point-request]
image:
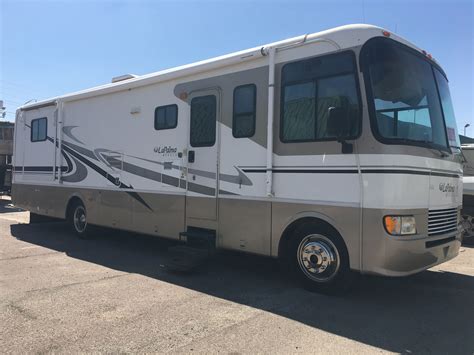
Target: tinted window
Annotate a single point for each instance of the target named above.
(337, 92)
(39, 129)
(299, 118)
(166, 117)
(203, 121)
(243, 124)
(311, 89)
(313, 68)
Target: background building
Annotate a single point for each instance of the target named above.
(6, 152)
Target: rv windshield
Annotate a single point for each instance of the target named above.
(405, 97)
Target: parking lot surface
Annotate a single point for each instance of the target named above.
(109, 294)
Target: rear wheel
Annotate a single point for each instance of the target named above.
(78, 219)
(319, 259)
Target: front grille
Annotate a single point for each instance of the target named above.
(442, 221)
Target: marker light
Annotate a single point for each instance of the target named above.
(386, 33)
(400, 225)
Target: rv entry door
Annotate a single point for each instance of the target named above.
(202, 178)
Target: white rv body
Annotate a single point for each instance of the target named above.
(102, 148)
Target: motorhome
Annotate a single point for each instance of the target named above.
(336, 152)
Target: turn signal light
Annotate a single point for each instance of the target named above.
(400, 225)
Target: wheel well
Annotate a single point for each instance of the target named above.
(72, 202)
(322, 226)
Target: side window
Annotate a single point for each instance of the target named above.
(245, 107)
(166, 117)
(203, 121)
(39, 129)
(299, 118)
(320, 99)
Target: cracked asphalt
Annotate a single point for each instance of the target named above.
(108, 294)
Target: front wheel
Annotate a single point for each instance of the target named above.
(320, 259)
(78, 220)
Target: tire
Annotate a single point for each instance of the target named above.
(319, 259)
(77, 219)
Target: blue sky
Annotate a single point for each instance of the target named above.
(50, 48)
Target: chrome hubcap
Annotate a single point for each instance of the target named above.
(80, 221)
(318, 258)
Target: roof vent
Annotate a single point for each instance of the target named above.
(123, 77)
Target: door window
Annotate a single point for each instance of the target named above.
(203, 121)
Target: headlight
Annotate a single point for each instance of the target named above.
(400, 225)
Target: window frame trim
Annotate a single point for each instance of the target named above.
(364, 69)
(161, 107)
(31, 130)
(354, 72)
(215, 122)
(433, 68)
(254, 112)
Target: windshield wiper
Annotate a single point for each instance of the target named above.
(464, 159)
(428, 145)
(441, 153)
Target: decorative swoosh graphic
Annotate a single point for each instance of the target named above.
(109, 177)
(80, 172)
(67, 131)
(72, 158)
(239, 179)
(79, 158)
(111, 159)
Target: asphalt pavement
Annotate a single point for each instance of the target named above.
(109, 294)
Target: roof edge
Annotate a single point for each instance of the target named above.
(196, 67)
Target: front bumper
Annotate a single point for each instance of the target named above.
(405, 256)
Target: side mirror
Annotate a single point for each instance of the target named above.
(338, 126)
(337, 121)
